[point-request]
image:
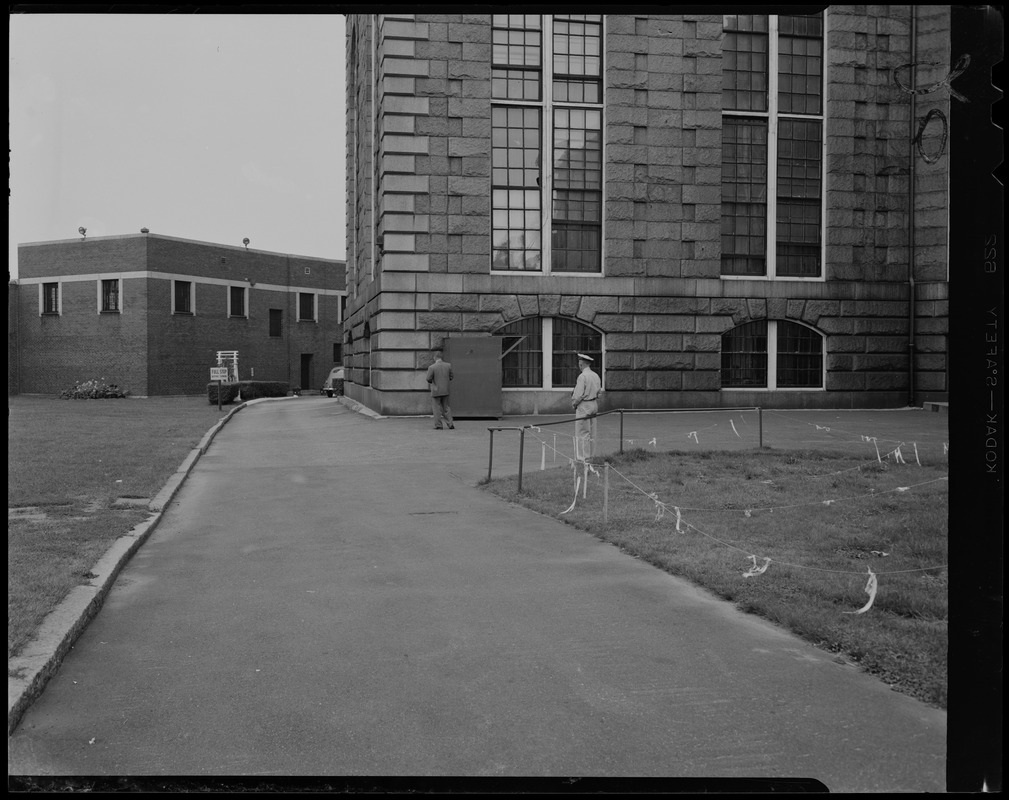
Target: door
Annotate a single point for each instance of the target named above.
(476, 375)
(306, 372)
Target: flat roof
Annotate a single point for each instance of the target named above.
(188, 241)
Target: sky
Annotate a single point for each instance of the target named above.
(206, 127)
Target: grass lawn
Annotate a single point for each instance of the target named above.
(67, 462)
(823, 519)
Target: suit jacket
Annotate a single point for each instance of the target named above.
(438, 375)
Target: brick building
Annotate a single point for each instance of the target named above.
(570, 182)
(149, 313)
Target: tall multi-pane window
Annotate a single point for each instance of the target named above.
(772, 354)
(772, 145)
(542, 352)
(546, 179)
(50, 298)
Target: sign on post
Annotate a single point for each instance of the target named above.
(218, 374)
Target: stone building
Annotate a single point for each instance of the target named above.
(149, 313)
(574, 182)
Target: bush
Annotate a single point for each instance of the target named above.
(252, 390)
(93, 390)
(229, 391)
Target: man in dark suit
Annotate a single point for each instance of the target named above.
(438, 375)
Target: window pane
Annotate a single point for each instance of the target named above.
(799, 189)
(237, 301)
(182, 294)
(744, 355)
(306, 306)
(516, 41)
(516, 203)
(577, 43)
(800, 64)
(800, 356)
(276, 319)
(569, 339)
(50, 298)
(577, 194)
(744, 196)
(522, 346)
(744, 62)
(110, 295)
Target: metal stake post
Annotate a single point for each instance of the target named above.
(606, 493)
(490, 459)
(522, 452)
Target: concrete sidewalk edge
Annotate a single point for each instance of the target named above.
(30, 671)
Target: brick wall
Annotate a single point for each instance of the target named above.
(149, 350)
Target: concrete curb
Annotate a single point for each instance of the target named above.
(353, 405)
(41, 657)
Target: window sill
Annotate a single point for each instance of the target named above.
(49, 313)
(812, 279)
(183, 314)
(542, 274)
(237, 316)
(104, 311)
(778, 389)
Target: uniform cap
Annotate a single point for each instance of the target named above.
(584, 357)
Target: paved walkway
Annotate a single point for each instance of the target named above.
(328, 594)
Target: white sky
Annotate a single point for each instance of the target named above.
(212, 128)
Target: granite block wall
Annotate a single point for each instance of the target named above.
(661, 303)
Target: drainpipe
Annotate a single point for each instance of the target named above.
(910, 210)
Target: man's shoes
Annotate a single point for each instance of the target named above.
(439, 429)
(451, 427)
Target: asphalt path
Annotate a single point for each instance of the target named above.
(330, 595)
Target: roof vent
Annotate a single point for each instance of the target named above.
(145, 230)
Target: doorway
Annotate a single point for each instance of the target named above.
(306, 372)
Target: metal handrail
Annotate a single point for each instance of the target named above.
(621, 411)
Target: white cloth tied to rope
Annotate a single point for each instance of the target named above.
(694, 435)
(578, 485)
(733, 424)
(870, 589)
(755, 570)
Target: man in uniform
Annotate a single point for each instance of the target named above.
(584, 398)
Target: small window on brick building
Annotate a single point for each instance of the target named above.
(276, 322)
(337, 353)
(306, 306)
(110, 296)
(183, 297)
(50, 298)
(236, 301)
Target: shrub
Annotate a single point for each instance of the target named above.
(93, 390)
(229, 391)
(251, 390)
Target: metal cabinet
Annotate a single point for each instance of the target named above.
(476, 369)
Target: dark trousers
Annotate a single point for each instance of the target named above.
(440, 410)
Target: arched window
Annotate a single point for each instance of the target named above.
(797, 362)
(542, 352)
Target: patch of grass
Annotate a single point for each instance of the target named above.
(72, 459)
(890, 518)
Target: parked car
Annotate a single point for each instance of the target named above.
(333, 385)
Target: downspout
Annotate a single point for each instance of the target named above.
(910, 210)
